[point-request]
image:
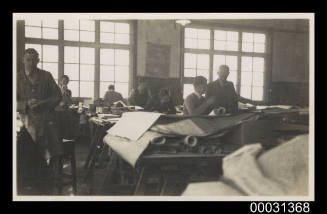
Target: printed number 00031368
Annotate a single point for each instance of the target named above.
(277, 207)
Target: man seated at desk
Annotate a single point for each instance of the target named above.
(112, 96)
(64, 116)
(161, 103)
(223, 92)
(66, 94)
(195, 103)
(139, 96)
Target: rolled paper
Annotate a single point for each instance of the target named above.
(191, 141)
(158, 141)
(220, 110)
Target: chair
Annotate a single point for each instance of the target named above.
(69, 126)
(69, 153)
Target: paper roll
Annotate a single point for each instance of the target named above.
(220, 110)
(190, 141)
(158, 141)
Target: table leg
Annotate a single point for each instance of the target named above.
(111, 166)
(92, 148)
(164, 183)
(139, 189)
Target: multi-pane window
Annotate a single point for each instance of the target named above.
(226, 40)
(197, 38)
(79, 30)
(78, 48)
(114, 70)
(116, 33)
(253, 42)
(79, 66)
(252, 77)
(196, 65)
(243, 52)
(42, 29)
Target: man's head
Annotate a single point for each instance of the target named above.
(30, 59)
(223, 72)
(142, 87)
(111, 88)
(200, 84)
(64, 80)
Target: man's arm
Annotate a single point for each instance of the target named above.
(234, 98)
(55, 95)
(190, 106)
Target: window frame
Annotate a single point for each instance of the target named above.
(239, 53)
(97, 45)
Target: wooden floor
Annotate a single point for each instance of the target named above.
(84, 186)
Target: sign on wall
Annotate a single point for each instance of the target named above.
(157, 60)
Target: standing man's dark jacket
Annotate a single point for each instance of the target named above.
(225, 96)
(41, 125)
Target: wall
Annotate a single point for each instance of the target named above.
(290, 52)
(290, 71)
(164, 32)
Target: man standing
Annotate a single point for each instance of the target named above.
(37, 96)
(223, 91)
(112, 96)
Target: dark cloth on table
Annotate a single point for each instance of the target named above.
(225, 96)
(138, 99)
(155, 104)
(112, 96)
(41, 125)
(195, 105)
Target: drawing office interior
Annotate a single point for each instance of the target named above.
(111, 67)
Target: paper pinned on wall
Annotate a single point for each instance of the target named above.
(132, 125)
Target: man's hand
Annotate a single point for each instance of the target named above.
(211, 100)
(34, 104)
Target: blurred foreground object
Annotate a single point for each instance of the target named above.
(282, 171)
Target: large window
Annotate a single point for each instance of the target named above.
(243, 51)
(92, 62)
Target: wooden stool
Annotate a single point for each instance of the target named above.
(69, 152)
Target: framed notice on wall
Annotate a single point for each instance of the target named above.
(157, 60)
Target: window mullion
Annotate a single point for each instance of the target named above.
(211, 55)
(97, 61)
(239, 63)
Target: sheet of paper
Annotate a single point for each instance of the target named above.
(133, 125)
(130, 150)
(122, 103)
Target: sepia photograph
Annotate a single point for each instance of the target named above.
(163, 106)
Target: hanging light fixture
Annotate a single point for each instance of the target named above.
(183, 22)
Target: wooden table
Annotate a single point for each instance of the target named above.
(160, 161)
(98, 150)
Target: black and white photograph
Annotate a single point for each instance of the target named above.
(163, 106)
